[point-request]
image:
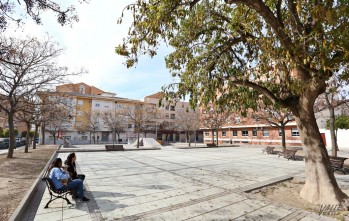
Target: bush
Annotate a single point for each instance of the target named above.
(7, 132)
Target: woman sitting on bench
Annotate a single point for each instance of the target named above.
(70, 162)
(60, 180)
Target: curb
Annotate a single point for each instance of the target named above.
(101, 150)
(17, 215)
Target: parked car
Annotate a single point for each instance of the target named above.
(4, 143)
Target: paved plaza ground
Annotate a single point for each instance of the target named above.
(177, 184)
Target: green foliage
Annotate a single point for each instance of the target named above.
(6, 132)
(24, 133)
(341, 122)
(1, 132)
(230, 53)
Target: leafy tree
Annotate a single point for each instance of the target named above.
(341, 122)
(10, 11)
(229, 52)
(1, 132)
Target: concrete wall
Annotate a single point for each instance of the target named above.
(342, 138)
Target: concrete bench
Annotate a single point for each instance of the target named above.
(211, 145)
(115, 147)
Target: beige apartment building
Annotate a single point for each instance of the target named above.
(85, 98)
(168, 126)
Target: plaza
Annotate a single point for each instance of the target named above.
(177, 184)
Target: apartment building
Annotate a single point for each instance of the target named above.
(168, 126)
(89, 99)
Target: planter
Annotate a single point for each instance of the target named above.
(116, 147)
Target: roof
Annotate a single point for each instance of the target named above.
(156, 95)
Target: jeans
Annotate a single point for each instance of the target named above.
(76, 186)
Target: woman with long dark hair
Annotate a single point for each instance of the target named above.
(70, 162)
(60, 177)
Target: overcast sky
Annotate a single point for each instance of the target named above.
(90, 43)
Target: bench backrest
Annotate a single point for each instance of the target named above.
(51, 186)
(337, 162)
(288, 151)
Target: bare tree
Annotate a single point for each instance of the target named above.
(275, 117)
(89, 122)
(116, 122)
(214, 119)
(30, 65)
(188, 122)
(26, 116)
(336, 94)
(59, 118)
(139, 115)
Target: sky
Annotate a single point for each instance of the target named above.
(90, 43)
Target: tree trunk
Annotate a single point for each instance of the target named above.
(320, 185)
(332, 131)
(217, 136)
(336, 139)
(12, 134)
(283, 135)
(35, 135)
(54, 139)
(43, 134)
(189, 138)
(212, 131)
(27, 138)
(137, 138)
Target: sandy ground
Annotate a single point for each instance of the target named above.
(288, 193)
(18, 174)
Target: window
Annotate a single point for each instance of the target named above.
(97, 104)
(80, 102)
(280, 132)
(82, 89)
(245, 133)
(166, 107)
(214, 133)
(173, 116)
(254, 132)
(167, 116)
(294, 132)
(172, 108)
(118, 106)
(207, 134)
(224, 133)
(235, 133)
(83, 137)
(265, 133)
